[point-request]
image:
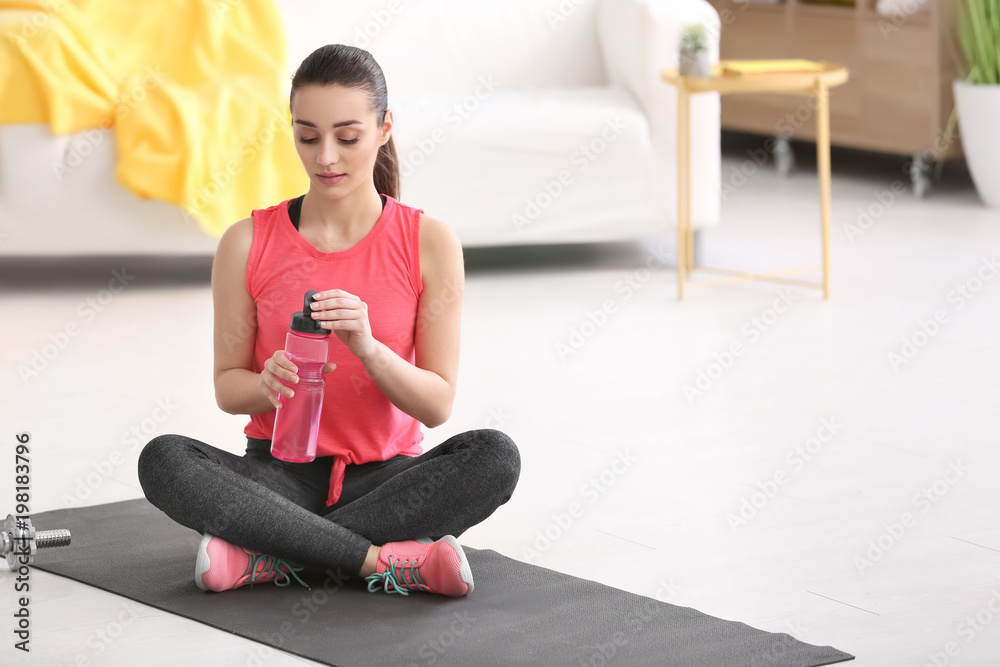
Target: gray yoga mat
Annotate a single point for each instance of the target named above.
(518, 614)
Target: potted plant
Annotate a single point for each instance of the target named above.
(693, 54)
(977, 98)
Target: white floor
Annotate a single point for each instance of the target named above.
(867, 484)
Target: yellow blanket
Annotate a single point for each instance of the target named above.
(194, 91)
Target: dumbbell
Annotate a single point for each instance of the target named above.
(19, 540)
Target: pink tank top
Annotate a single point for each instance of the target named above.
(358, 424)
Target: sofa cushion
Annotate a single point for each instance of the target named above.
(501, 144)
(440, 46)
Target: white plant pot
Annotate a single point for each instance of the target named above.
(978, 111)
(694, 64)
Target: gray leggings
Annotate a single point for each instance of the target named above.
(271, 506)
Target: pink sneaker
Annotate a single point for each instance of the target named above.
(223, 566)
(422, 565)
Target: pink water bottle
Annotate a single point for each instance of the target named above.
(296, 422)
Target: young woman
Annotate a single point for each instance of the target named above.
(390, 278)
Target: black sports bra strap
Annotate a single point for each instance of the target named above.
(295, 209)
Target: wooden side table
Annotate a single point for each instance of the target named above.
(812, 84)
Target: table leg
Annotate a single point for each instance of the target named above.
(823, 167)
(690, 229)
(683, 186)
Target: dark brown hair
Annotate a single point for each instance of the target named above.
(351, 67)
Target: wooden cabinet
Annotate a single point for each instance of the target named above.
(899, 96)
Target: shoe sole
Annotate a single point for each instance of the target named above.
(203, 563)
(465, 571)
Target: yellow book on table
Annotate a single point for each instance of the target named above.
(751, 67)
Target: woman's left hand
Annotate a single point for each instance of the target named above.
(346, 315)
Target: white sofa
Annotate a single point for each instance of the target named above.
(517, 122)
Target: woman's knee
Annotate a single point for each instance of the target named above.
(502, 456)
(157, 461)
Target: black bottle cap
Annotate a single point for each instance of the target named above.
(303, 321)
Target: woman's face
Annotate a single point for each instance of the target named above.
(336, 133)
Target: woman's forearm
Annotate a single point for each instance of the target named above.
(237, 391)
(420, 393)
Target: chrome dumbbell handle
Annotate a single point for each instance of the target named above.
(19, 540)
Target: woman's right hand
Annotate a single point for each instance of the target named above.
(276, 368)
